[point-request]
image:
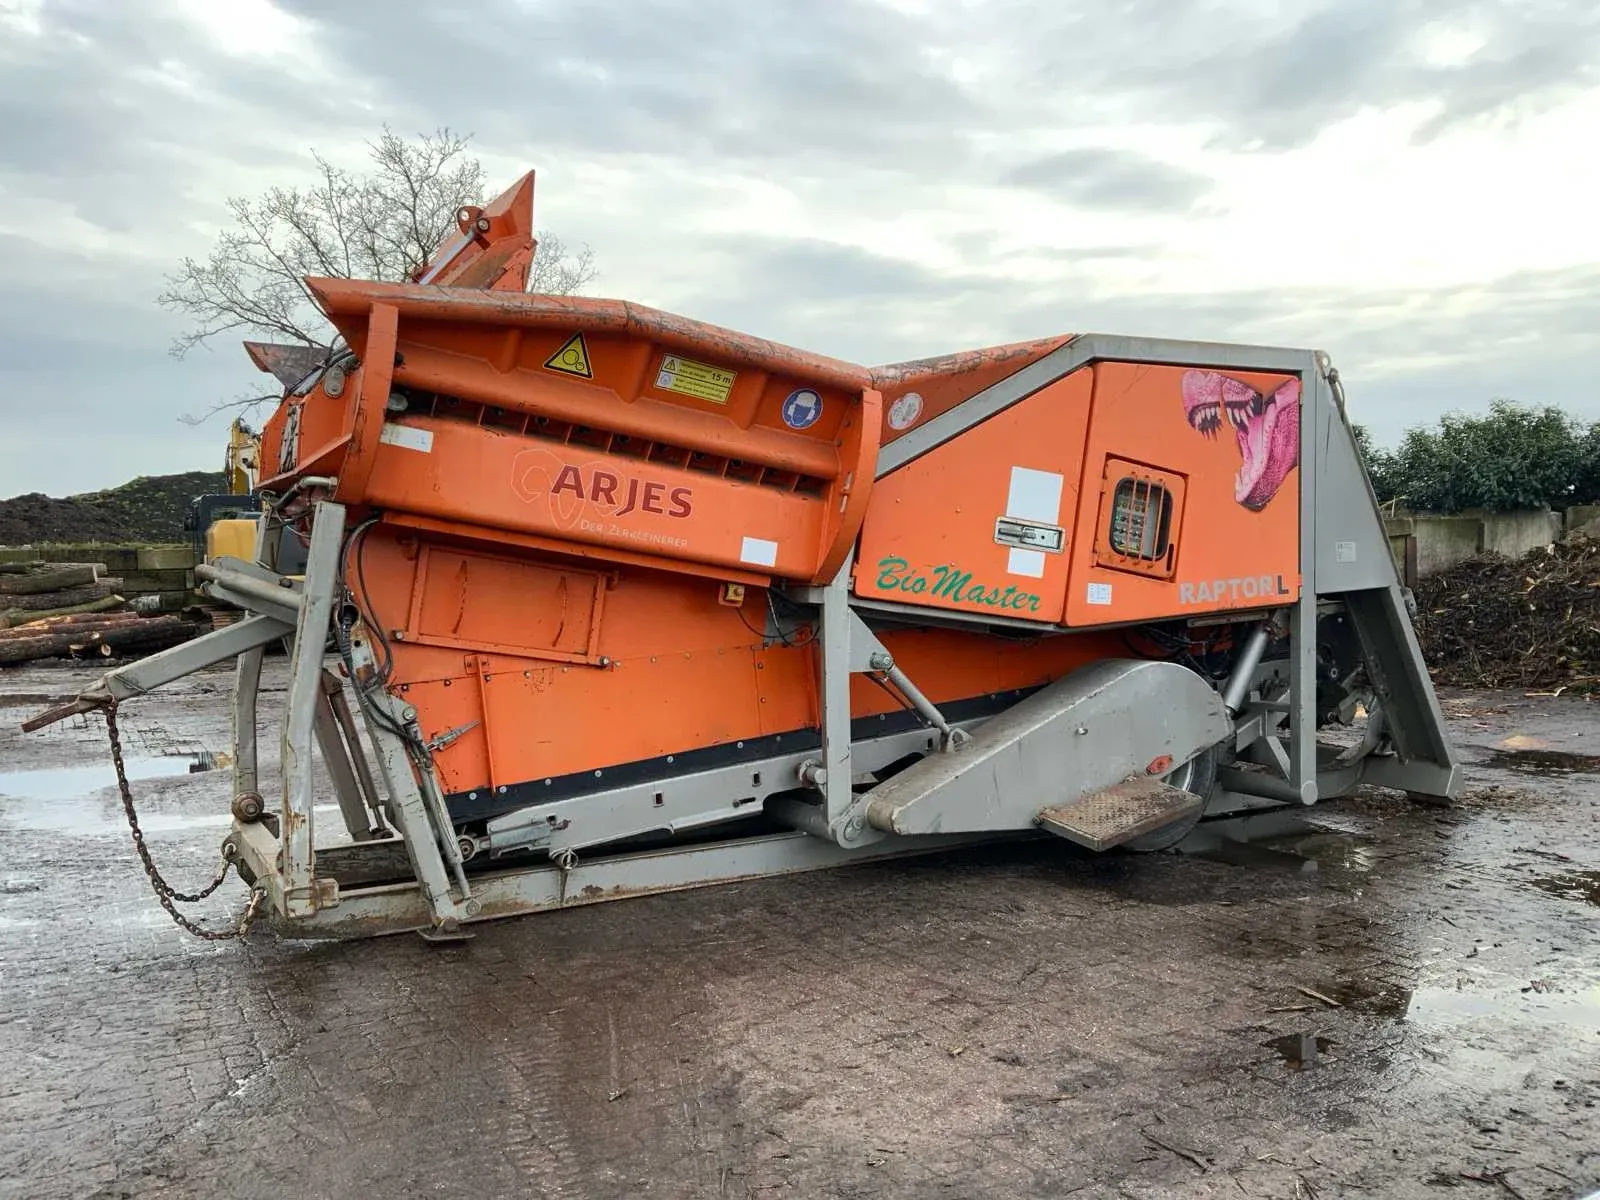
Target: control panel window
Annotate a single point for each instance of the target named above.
(1141, 513)
(1141, 519)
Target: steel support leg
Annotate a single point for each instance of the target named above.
(305, 686)
(246, 689)
(429, 839)
(846, 827)
(1301, 769)
(246, 693)
(340, 771)
(358, 757)
(409, 811)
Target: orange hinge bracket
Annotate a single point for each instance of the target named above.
(371, 403)
(858, 458)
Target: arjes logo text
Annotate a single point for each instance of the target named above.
(570, 490)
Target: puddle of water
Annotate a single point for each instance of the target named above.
(1328, 847)
(1380, 999)
(63, 799)
(86, 816)
(1547, 1002)
(67, 783)
(1544, 762)
(1295, 845)
(1300, 1050)
(1579, 1006)
(83, 816)
(1583, 886)
(1251, 854)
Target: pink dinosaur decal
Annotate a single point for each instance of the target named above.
(1267, 429)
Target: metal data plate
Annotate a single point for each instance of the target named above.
(1030, 535)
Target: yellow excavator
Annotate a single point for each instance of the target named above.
(223, 524)
(244, 455)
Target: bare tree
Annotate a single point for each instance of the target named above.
(383, 225)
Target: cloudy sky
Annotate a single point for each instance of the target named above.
(1407, 184)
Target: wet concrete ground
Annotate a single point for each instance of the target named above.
(1399, 1002)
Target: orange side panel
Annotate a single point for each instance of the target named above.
(680, 671)
(488, 603)
(949, 664)
(314, 427)
(474, 364)
(1232, 441)
(499, 541)
(599, 421)
(454, 470)
(931, 537)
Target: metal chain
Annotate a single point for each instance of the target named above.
(165, 892)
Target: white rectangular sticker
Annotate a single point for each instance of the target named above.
(759, 552)
(1025, 562)
(407, 437)
(1099, 593)
(1344, 552)
(1034, 496)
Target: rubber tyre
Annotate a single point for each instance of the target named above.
(1198, 775)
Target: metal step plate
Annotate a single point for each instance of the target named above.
(1120, 813)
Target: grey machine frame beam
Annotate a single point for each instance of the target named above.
(284, 858)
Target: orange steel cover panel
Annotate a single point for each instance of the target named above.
(916, 392)
(594, 420)
(1232, 440)
(347, 303)
(495, 603)
(643, 664)
(463, 472)
(980, 523)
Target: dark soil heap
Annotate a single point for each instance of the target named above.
(1532, 622)
(150, 509)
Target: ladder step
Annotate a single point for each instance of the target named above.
(1120, 813)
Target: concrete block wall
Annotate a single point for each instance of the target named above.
(1513, 534)
(1441, 540)
(166, 572)
(1582, 516)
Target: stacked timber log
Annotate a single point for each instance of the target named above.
(29, 591)
(68, 610)
(92, 636)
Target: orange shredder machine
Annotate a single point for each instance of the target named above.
(627, 602)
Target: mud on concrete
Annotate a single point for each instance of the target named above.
(1394, 1001)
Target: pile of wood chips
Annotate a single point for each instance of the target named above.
(71, 610)
(1533, 622)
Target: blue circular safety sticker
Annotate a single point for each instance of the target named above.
(802, 408)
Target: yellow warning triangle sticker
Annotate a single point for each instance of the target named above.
(572, 358)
